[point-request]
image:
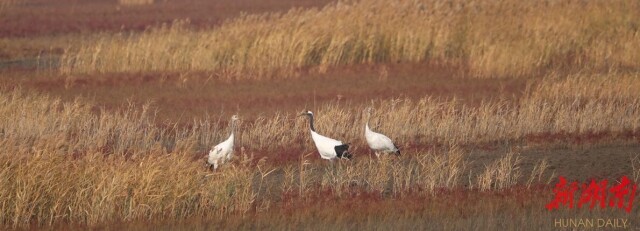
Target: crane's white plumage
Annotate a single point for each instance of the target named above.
(328, 148)
(325, 145)
(379, 143)
(223, 152)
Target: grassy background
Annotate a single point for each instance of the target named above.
(494, 39)
(488, 100)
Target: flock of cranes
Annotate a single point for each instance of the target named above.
(328, 148)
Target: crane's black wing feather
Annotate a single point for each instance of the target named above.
(342, 151)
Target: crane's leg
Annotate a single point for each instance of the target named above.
(332, 166)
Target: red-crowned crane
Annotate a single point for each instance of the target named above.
(223, 152)
(379, 143)
(328, 148)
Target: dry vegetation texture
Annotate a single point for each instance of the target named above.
(135, 2)
(569, 105)
(75, 163)
(70, 162)
(26, 18)
(63, 163)
(60, 163)
(453, 211)
(6, 4)
(493, 38)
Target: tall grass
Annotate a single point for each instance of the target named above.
(6, 4)
(612, 86)
(502, 173)
(135, 2)
(570, 105)
(64, 163)
(493, 38)
(43, 187)
(427, 172)
(73, 162)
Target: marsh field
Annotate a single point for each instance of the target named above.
(109, 109)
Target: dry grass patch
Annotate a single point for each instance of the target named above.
(556, 106)
(6, 4)
(495, 39)
(41, 186)
(135, 2)
(612, 86)
(69, 162)
(501, 174)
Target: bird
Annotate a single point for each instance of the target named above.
(328, 148)
(223, 151)
(379, 143)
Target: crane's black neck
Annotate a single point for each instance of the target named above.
(311, 122)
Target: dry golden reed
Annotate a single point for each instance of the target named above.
(426, 172)
(612, 86)
(44, 187)
(72, 162)
(571, 105)
(537, 173)
(494, 38)
(64, 163)
(135, 2)
(6, 4)
(502, 173)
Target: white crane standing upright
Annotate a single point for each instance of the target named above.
(223, 152)
(328, 148)
(379, 143)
